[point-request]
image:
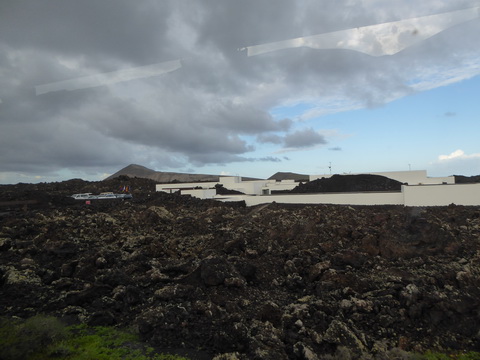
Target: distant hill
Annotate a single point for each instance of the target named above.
(133, 170)
(140, 171)
(279, 176)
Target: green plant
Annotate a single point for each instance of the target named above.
(430, 355)
(19, 339)
(435, 356)
(44, 337)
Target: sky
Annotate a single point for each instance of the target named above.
(245, 88)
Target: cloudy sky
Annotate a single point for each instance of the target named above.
(246, 87)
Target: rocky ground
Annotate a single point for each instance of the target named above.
(268, 282)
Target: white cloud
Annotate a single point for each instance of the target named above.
(456, 163)
(458, 155)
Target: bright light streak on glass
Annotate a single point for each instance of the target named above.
(108, 78)
(376, 40)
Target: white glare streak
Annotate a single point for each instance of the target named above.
(376, 40)
(113, 77)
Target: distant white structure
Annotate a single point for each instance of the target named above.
(418, 190)
(203, 190)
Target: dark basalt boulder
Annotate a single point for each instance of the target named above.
(349, 183)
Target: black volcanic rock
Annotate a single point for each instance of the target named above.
(276, 281)
(460, 179)
(349, 183)
(221, 190)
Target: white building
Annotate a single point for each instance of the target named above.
(418, 190)
(253, 187)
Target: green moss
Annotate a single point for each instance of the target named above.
(429, 355)
(20, 339)
(43, 337)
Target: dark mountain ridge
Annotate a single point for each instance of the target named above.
(140, 171)
(279, 176)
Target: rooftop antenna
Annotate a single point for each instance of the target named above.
(330, 167)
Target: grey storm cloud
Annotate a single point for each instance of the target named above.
(270, 159)
(270, 138)
(96, 84)
(304, 138)
(112, 77)
(298, 139)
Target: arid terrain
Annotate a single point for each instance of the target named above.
(268, 282)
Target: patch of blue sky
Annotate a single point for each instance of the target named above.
(408, 132)
(436, 76)
(413, 130)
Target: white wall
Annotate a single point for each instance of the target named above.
(254, 187)
(200, 193)
(228, 180)
(175, 187)
(420, 195)
(441, 195)
(280, 185)
(437, 180)
(385, 198)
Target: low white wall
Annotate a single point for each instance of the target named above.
(175, 187)
(421, 195)
(385, 198)
(200, 193)
(256, 187)
(441, 195)
(281, 185)
(438, 180)
(227, 180)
